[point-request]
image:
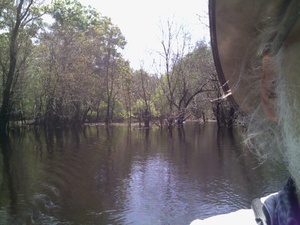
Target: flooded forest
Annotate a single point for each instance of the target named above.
(62, 64)
(65, 84)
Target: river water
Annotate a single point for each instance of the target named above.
(129, 176)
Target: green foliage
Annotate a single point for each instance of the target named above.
(19, 24)
(79, 62)
(160, 101)
(72, 14)
(73, 70)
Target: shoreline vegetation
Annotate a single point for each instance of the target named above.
(71, 70)
(134, 125)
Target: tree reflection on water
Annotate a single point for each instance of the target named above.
(127, 175)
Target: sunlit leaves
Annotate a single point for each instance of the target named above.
(81, 62)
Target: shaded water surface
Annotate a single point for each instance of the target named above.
(128, 176)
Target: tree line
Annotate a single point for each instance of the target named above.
(61, 64)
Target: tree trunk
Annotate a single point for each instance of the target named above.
(146, 119)
(7, 92)
(107, 118)
(5, 108)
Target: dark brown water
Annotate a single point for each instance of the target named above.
(128, 176)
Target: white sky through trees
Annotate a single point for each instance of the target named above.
(139, 21)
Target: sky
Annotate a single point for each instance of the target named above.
(139, 22)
